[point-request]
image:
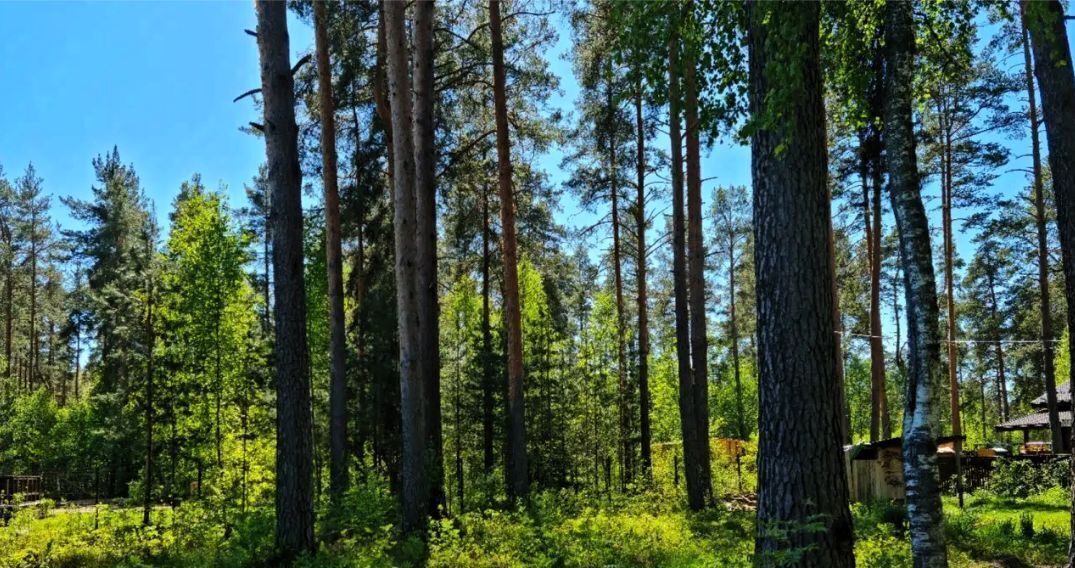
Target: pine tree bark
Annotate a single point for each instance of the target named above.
(880, 425)
(488, 374)
(687, 415)
(1052, 58)
(920, 423)
(338, 470)
(877, 347)
(696, 274)
(643, 302)
(955, 411)
(414, 491)
(1047, 347)
(617, 277)
(517, 471)
(426, 210)
(294, 442)
(801, 474)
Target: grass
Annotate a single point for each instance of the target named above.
(992, 530)
(1050, 509)
(556, 529)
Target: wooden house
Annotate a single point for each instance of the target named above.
(1038, 421)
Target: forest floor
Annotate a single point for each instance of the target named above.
(557, 529)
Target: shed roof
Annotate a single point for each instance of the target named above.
(1035, 421)
(868, 451)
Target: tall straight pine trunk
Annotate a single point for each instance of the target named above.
(696, 273)
(640, 273)
(920, 421)
(488, 379)
(426, 211)
(617, 277)
(1047, 347)
(338, 471)
(950, 301)
(801, 473)
(517, 471)
(880, 424)
(688, 423)
(414, 489)
(294, 441)
(1052, 58)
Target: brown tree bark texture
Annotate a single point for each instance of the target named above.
(801, 472)
(294, 440)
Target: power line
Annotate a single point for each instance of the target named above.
(966, 341)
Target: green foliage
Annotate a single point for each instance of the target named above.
(1021, 478)
(560, 529)
(556, 528)
(1063, 358)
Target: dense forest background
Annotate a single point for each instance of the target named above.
(139, 361)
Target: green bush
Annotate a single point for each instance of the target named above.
(1021, 478)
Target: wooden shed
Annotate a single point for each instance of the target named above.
(875, 471)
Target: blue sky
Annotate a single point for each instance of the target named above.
(157, 80)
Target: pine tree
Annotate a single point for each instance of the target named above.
(294, 444)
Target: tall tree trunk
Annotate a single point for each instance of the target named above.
(1052, 58)
(838, 331)
(877, 347)
(426, 211)
(31, 338)
(950, 299)
(621, 348)
(896, 285)
(998, 347)
(334, 262)
(920, 423)
(880, 426)
(1047, 347)
(9, 305)
(733, 333)
(488, 374)
(147, 480)
(518, 481)
(877, 174)
(696, 273)
(78, 347)
(359, 272)
(412, 400)
(687, 412)
(801, 474)
(867, 222)
(643, 307)
(294, 443)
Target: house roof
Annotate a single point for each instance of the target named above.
(1063, 397)
(1035, 421)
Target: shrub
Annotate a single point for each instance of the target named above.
(1021, 478)
(1026, 525)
